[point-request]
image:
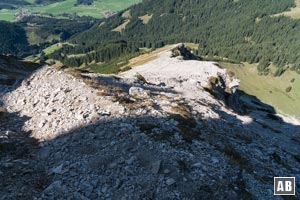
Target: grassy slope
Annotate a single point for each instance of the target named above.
(150, 55)
(146, 18)
(96, 10)
(122, 26)
(123, 64)
(147, 57)
(269, 89)
(55, 47)
(127, 16)
(30, 1)
(34, 38)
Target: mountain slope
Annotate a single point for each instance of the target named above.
(13, 69)
(13, 38)
(242, 30)
(12, 4)
(39, 24)
(237, 32)
(30, 35)
(162, 136)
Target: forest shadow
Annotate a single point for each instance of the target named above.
(13, 71)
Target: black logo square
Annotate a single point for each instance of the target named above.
(284, 185)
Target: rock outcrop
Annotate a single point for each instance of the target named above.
(91, 136)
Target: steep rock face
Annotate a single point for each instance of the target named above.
(163, 136)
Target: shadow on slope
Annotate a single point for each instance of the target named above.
(19, 170)
(145, 157)
(17, 149)
(209, 158)
(13, 70)
(136, 156)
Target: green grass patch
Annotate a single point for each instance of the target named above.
(126, 14)
(95, 10)
(30, 1)
(7, 15)
(122, 26)
(146, 18)
(55, 47)
(191, 45)
(34, 37)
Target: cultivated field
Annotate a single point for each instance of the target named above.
(95, 10)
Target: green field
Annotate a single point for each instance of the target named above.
(269, 89)
(55, 47)
(95, 10)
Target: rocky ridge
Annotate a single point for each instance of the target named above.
(178, 135)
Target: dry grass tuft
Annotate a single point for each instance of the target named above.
(183, 110)
(134, 105)
(147, 57)
(3, 112)
(74, 72)
(231, 74)
(187, 128)
(116, 92)
(235, 157)
(186, 122)
(147, 128)
(94, 83)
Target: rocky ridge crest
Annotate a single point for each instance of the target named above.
(177, 135)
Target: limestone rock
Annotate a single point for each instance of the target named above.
(139, 93)
(170, 181)
(58, 169)
(53, 187)
(155, 166)
(108, 137)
